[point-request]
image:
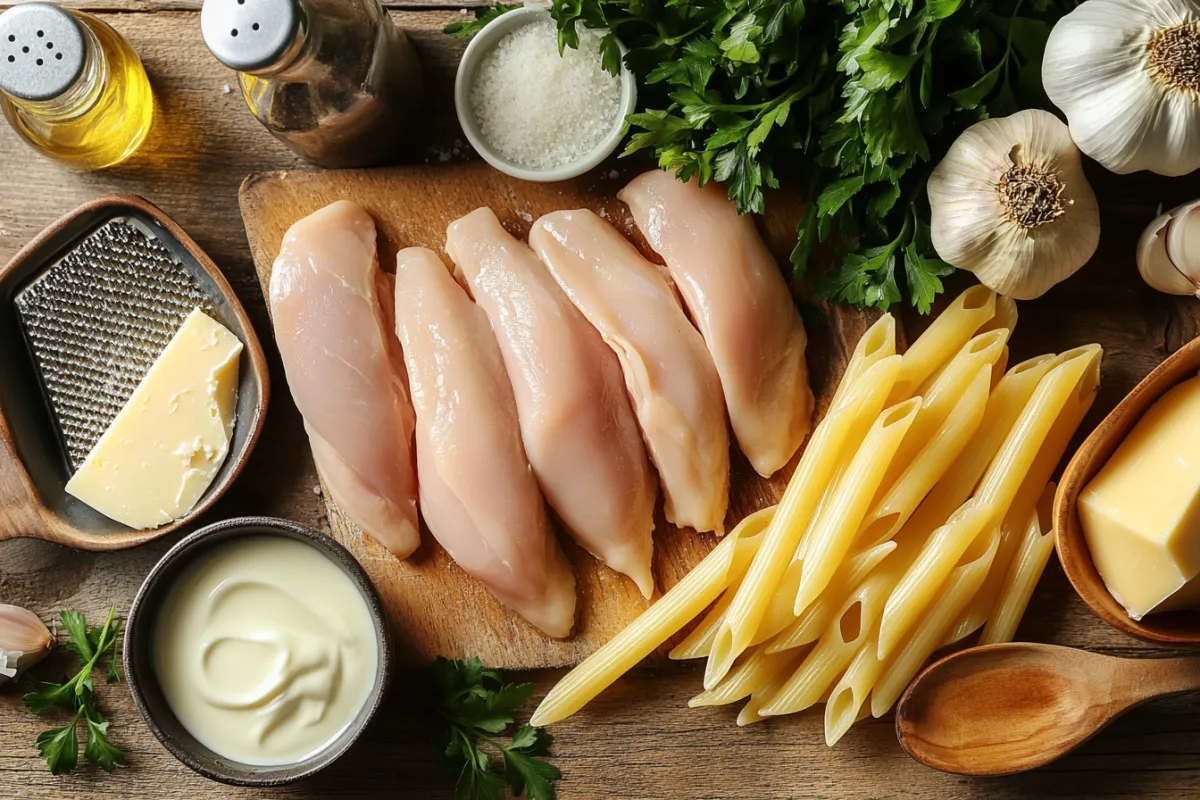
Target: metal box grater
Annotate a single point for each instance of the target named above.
(96, 321)
(86, 308)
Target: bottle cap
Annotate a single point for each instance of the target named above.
(248, 35)
(42, 51)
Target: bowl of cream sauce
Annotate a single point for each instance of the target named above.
(257, 651)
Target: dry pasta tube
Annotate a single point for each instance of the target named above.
(1054, 394)
(834, 532)
(820, 670)
(780, 612)
(682, 603)
(929, 465)
(804, 490)
(815, 619)
(1003, 410)
(1030, 490)
(964, 581)
(758, 669)
(1023, 574)
(752, 711)
(920, 587)
(699, 641)
(944, 337)
(942, 397)
(848, 700)
(878, 343)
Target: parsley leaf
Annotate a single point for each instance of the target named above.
(476, 705)
(60, 746)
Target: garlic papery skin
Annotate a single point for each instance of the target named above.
(1010, 203)
(1127, 75)
(1168, 253)
(24, 640)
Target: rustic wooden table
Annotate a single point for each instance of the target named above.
(638, 740)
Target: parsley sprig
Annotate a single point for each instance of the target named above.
(853, 100)
(477, 707)
(60, 746)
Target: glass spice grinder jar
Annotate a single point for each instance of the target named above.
(71, 86)
(335, 80)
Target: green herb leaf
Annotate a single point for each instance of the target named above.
(924, 277)
(82, 642)
(59, 747)
(526, 774)
(98, 750)
(837, 195)
(51, 695)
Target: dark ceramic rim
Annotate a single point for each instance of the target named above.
(143, 684)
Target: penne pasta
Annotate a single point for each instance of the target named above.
(920, 586)
(824, 665)
(944, 337)
(962, 585)
(877, 344)
(1022, 574)
(847, 702)
(752, 711)
(662, 620)
(780, 612)
(930, 463)
(817, 465)
(834, 532)
(754, 672)
(1036, 476)
(1003, 410)
(815, 619)
(699, 642)
(1001, 365)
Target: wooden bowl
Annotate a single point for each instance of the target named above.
(33, 467)
(143, 683)
(1172, 627)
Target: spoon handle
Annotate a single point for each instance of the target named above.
(1142, 679)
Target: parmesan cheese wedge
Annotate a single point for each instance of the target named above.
(164, 448)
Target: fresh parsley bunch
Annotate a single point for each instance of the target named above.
(477, 707)
(60, 746)
(853, 100)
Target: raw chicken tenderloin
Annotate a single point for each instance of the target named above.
(580, 434)
(669, 374)
(330, 309)
(478, 494)
(740, 302)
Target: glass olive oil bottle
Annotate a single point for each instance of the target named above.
(71, 86)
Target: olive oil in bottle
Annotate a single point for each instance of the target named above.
(71, 86)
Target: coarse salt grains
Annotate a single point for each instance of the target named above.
(540, 110)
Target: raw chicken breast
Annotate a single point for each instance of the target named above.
(669, 374)
(330, 307)
(580, 434)
(740, 302)
(478, 494)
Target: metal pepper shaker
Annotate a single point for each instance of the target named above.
(335, 80)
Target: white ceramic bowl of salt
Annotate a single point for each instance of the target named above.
(536, 117)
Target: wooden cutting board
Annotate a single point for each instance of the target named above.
(435, 607)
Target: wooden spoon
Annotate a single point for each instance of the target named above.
(1007, 708)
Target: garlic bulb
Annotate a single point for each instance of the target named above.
(1168, 254)
(1127, 75)
(1010, 204)
(24, 640)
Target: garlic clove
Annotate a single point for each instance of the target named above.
(24, 640)
(1155, 264)
(1183, 239)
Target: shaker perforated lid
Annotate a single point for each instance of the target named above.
(249, 34)
(42, 51)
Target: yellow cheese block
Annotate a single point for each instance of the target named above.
(1141, 513)
(163, 450)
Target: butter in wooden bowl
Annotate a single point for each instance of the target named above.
(1141, 513)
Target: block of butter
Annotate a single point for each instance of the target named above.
(163, 450)
(1141, 513)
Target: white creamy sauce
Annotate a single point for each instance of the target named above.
(265, 650)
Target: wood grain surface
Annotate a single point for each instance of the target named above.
(638, 740)
(434, 605)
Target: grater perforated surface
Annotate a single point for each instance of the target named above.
(96, 321)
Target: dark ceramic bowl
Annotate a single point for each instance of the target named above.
(143, 682)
